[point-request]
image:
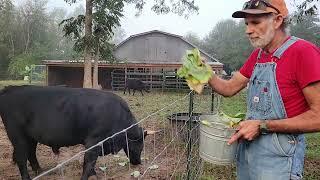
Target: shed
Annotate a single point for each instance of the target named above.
(152, 56)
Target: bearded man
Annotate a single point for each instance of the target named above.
(283, 97)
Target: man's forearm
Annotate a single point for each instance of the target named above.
(230, 87)
(220, 86)
(304, 123)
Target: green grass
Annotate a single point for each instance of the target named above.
(313, 145)
(235, 104)
(17, 82)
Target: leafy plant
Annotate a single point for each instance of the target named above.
(195, 71)
(232, 120)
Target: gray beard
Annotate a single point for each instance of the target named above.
(264, 40)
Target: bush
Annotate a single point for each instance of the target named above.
(17, 65)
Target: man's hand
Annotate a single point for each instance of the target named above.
(248, 130)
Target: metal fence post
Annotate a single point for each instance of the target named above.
(212, 101)
(189, 134)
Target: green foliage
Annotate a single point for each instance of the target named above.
(307, 28)
(17, 67)
(31, 29)
(105, 18)
(307, 8)
(6, 14)
(73, 27)
(228, 42)
(180, 7)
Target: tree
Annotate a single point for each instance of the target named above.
(31, 34)
(60, 47)
(307, 8)
(307, 28)
(7, 48)
(93, 31)
(6, 25)
(227, 41)
(119, 35)
(33, 17)
(104, 9)
(193, 38)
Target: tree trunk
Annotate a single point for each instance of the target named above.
(27, 40)
(12, 46)
(87, 77)
(96, 70)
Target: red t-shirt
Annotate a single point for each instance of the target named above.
(298, 67)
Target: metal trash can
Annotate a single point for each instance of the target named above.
(179, 123)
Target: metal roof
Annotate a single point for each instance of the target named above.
(168, 34)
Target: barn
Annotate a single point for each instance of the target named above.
(153, 56)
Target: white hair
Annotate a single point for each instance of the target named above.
(285, 26)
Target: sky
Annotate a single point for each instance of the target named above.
(210, 12)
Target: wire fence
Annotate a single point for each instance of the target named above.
(171, 153)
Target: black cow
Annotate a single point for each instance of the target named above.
(61, 116)
(135, 84)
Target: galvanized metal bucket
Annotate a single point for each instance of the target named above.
(213, 141)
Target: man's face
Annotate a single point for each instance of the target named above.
(260, 30)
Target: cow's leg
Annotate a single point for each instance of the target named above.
(14, 157)
(129, 90)
(133, 92)
(141, 92)
(20, 148)
(56, 153)
(20, 156)
(90, 159)
(125, 89)
(32, 157)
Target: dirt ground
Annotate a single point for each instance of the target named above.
(47, 160)
(167, 161)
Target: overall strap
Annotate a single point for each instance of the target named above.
(278, 53)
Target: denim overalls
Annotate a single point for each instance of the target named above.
(274, 156)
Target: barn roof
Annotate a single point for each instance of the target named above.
(168, 34)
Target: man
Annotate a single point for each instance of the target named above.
(283, 99)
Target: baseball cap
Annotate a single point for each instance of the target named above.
(262, 7)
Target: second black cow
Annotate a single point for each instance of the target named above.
(60, 116)
(135, 84)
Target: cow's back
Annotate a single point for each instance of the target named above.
(135, 84)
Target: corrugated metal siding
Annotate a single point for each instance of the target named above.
(153, 47)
